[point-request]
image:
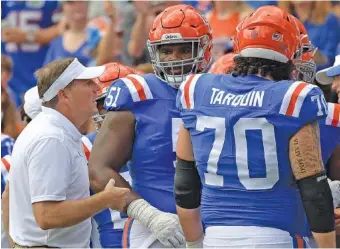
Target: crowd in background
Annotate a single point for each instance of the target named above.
(35, 33)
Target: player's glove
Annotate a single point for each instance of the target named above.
(335, 188)
(165, 226)
(195, 244)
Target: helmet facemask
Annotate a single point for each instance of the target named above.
(174, 72)
(99, 117)
(305, 66)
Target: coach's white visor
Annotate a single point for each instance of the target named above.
(75, 71)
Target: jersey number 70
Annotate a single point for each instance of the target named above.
(240, 128)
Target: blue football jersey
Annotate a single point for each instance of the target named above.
(110, 223)
(330, 131)
(27, 57)
(152, 165)
(7, 144)
(240, 129)
(5, 167)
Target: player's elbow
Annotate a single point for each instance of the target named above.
(187, 185)
(94, 175)
(43, 224)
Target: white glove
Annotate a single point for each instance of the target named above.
(165, 226)
(195, 244)
(335, 188)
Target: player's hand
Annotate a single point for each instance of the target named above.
(118, 196)
(168, 230)
(16, 35)
(337, 220)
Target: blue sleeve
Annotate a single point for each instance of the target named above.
(315, 106)
(119, 97)
(7, 147)
(3, 184)
(329, 49)
(304, 107)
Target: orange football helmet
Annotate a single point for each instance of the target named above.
(223, 64)
(270, 33)
(112, 72)
(176, 25)
(305, 66)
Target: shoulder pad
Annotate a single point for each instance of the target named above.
(125, 92)
(303, 100)
(186, 94)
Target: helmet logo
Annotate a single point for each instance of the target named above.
(277, 37)
(172, 36)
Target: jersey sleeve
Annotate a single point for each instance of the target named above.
(5, 167)
(87, 146)
(303, 103)
(189, 98)
(333, 116)
(7, 146)
(124, 93)
(186, 94)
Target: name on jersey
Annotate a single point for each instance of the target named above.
(220, 97)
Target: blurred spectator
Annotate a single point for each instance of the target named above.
(322, 27)
(336, 11)
(73, 42)
(10, 124)
(107, 43)
(223, 19)
(27, 29)
(258, 4)
(145, 15)
(93, 43)
(203, 6)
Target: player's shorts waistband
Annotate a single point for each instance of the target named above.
(236, 231)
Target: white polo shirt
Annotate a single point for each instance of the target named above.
(48, 164)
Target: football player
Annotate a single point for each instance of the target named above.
(249, 146)
(142, 124)
(109, 223)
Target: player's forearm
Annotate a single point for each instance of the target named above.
(98, 181)
(325, 240)
(190, 220)
(51, 215)
(5, 214)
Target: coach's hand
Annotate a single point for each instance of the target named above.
(165, 226)
(118, 196)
